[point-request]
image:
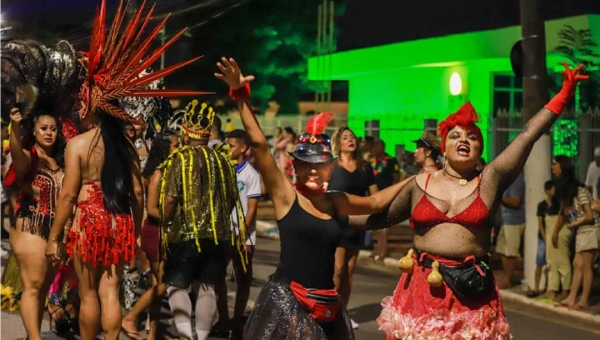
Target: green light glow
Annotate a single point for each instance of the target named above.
(565, 138)
(404, 83)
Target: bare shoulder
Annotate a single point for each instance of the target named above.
(76, 144)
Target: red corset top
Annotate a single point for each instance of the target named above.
(426, 215)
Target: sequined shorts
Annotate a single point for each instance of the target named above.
(278, 315)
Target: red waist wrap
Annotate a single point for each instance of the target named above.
(420, 311)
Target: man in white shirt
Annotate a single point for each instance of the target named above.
(248, 182)
(593, 173)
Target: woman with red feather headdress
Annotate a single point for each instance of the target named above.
(102, 169)
(447, 289)
(300, 298)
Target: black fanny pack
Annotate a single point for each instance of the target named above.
(469, 280)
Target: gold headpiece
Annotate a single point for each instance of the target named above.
(197, 124)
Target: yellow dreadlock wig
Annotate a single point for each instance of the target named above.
(204, 181)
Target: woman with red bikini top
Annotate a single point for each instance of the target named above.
(447, 288)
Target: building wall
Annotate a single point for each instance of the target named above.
(403, 99)
(403, 84)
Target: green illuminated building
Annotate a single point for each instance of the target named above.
(404, 83)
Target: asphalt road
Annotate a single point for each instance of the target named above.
(371, 284)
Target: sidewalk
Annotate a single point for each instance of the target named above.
(513, 299)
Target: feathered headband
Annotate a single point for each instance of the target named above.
(465, 116)
(115, 60)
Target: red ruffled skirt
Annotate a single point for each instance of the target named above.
(420, 311)
(101, 237)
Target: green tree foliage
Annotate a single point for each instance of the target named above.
(270, 39)
(579, 47)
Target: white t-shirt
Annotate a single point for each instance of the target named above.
(248, 182)
(592, 178)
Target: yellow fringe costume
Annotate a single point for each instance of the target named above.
(204, 181)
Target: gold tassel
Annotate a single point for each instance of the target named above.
(406, 263)
(435, 278)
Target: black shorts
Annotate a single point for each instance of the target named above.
(185, 264)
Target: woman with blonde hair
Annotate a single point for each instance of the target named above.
(351, 174)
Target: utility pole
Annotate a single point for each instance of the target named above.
(325, 27)
(535, 96)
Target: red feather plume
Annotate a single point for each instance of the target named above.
(115, 60)
(318, 123)
(465, 116)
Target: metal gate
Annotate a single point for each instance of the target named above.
(575, 135)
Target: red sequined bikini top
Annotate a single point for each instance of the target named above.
(426, 215)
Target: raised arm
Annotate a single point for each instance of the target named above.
(67, 199)
(278, 187)
(505, 168)
(20, 158)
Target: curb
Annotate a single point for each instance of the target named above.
(518, 303)
(521, 304)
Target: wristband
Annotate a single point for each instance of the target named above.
(241, 93)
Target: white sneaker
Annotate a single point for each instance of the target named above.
(354, 324)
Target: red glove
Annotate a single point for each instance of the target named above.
(570, 79)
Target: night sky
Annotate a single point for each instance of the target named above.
(376, 22)
(365, 23)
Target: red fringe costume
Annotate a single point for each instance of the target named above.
(114, 63)
(420, 311)
(104, 238)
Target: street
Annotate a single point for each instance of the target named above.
(371, 284)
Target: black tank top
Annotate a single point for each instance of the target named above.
(308, 245)
(355, 183)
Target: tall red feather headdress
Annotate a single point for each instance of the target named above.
(115, 60)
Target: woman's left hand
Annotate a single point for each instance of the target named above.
(571, 78)
(53, 251)
(232, 74)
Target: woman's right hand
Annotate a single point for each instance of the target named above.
(232, 74)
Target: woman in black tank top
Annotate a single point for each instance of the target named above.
(354, 176)
(300, 297)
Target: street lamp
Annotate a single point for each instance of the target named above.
(455, 84)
